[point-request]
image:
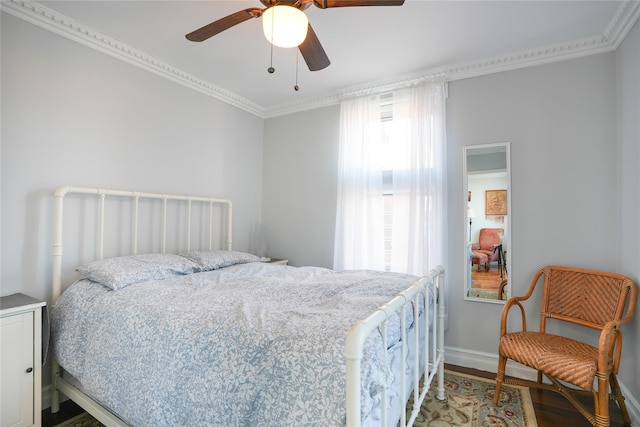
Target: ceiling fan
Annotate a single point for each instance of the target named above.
(311, 49)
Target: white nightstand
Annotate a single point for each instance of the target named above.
(20, 360)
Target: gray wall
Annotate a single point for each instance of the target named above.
(628, 90)
(561, 121)
(300, 186)
(74, 116)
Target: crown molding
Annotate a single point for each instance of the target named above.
(627, 15)
(485, 66)
(49, 20)
(356, 91)
(33, 12)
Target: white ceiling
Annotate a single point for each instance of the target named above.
(368, 46)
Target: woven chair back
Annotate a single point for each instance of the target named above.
(584, 297)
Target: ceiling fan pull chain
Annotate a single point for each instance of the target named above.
(271, 70)
(296, 87)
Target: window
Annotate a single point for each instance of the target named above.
(391, 185)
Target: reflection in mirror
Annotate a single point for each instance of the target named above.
(487, 177)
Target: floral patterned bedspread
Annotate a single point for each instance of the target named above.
(247, 345)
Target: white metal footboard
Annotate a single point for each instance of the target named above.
(429, 355)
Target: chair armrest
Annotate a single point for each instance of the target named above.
(503, 284)
(516, 301)
(610, 334)
(607, 344)
(511, 302)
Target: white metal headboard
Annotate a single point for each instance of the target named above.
(136, 196)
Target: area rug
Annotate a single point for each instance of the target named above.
(82, 420)
(469, 403)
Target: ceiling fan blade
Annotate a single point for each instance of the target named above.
(325, 4)
(313, 52)
(225, 23)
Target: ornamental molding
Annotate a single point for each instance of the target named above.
(485, 66)
(36, 14)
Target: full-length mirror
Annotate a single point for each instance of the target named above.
(487, 241)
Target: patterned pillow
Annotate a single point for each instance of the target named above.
(120, 272)
(212, 260)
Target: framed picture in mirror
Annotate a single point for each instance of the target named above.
(496, 202)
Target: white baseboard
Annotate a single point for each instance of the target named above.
(485, 362)
(489, 362)
(468, 359)
(633, 406)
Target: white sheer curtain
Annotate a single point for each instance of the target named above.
(392, 146)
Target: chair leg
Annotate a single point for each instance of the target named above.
(502, 362)
(617, 395)
(602, 400)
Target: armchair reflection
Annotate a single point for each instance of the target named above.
(488, 249)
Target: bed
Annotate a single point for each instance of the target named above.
(162, 323)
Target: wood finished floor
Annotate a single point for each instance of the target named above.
(485, 280)
(68, 409)
(552, 410)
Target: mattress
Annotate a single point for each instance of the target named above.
(251, 344)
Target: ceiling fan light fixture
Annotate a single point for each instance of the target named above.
(285, 26)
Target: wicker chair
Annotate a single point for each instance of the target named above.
(588, 298)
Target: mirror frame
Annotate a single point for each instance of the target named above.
(467, 269)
